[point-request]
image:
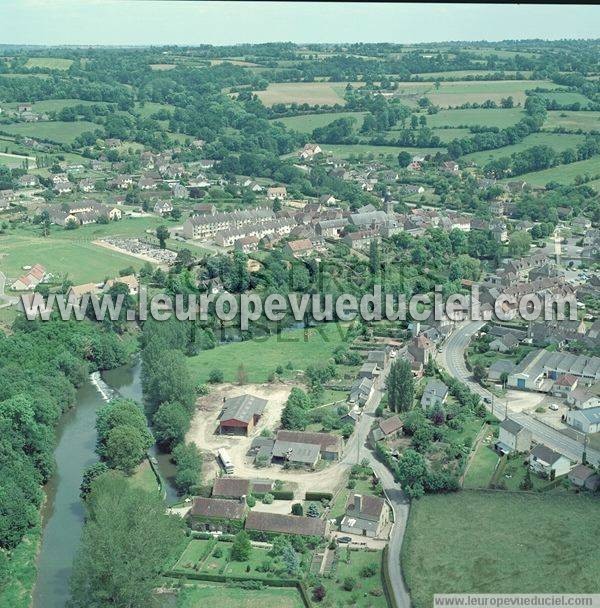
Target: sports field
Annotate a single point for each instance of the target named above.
(53, 63)
(322, 93)
(309, 122)
(501, 542)
(56, 131)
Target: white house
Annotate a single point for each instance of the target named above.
(548, 463)
(586, 421)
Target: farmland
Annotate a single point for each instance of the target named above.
(322, 93)
(558, 142)
(493, 117)
(564, 174)
(482, 529)
(567, 98)
(587, 121)
(261, 356)
(52, 63)
(349, 150)
(54, 105)
(308, 122)
(58, 131)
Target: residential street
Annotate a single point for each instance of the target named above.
(452, 358)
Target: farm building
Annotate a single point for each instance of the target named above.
(286, 524)
(240, 414)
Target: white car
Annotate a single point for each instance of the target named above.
(553, 407)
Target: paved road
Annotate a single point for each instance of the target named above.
(452, 358)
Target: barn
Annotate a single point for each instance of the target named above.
(240, 414)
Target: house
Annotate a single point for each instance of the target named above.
(504, 344)
(365, 516)
(387, 428)
(361, 239)
(231, 487)
(422, 349)
(204, 209)
(327, 199)
(246, 244)
(274, 192)
(241, 414)
(548, 463)
(163, 207)
(28, 181)
(513, 437)
(130, 280)
(586, 421)
(499, 368)
(310, 151)
(584, 397)
(76, 292)
(579, 475)
(330, 446)
(565, 384)
(87, 185)
(300, 248)
(63, 187)
(295, 452)
(435, 393)
(370, 370)
(147, 183)
(275, 523)
(216, 514)
(34, 276)
(361, 391)
(450, 166)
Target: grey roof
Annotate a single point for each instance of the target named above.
(591, 414)
(544, 453)
(511, 426)
(435, 388)
(243, 408)
(303, 453)
(502, 365)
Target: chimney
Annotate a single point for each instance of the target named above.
(243, 499)
(416, 328)
(357, 503)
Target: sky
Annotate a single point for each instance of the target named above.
(144, 22)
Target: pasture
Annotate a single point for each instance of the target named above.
(350, 150)
(55, 131)
(147, 108)
(54, 105)
(322, 93)
(447, 135)
(564, 174)
(587, 121)
(473, 73)
(308, 122)
(491, 118)
(500, 542)
(558, 142)
(567, 97)
(52, 63)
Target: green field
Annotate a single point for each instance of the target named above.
(481, 467)
(588, 121)
(213, 594)
(309, 122)
(557, 141)
(500, 542)
(56, 131)
(261, 356)
(467, 73)
(567, 97)
(53, 63)
(55, 105)
(447, 135)
(150, 107)
(322, 93)
(492, 118)
(13, 161)
(346, 151)
(563, 174)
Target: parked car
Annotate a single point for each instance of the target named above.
(553, 407)
(344, 539)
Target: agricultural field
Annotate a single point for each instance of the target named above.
(52, 63)
(215, 594)
(447, 135)
(322, 93)
(557, 141)
(501, 542)
(467, 73)
(54, 105)
(349, 150)
(56, 131)
(261, 356)
(493, 117)
(564, 174)
(587, 121)
(308, 122)
(16, 161)
(567, 97)
(147, 108)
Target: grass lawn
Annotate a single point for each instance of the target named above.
(511, 472)
(262, 355)
(481, 467)
(322, 93)
(563, 174)
(348, 150)
(195, 551)
(497, 542)
(557, 141)
(308, 122)
(587, 121)
(492, 118)
(360, 596)
(53, 63)
(144, 478)
(56, 131)
(213, 594)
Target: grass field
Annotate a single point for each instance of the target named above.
(54, 105)
(481, 467)
(213, 594)
(13, 161)
(309, 122)
(499, 542)
(322, 93)
(567, 97)
(447, 135)
(57, 131)
(587, 121)
(22, 570)
(467, 73)
(491, 118)
(346, 151)
(150, 107)
(261, 356)
(557, 141)
(563, 174)
(53, 63)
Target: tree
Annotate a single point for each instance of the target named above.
(170, 423)
(313, 510)
(319, 593)
(125, 448)
(374, 258)
(241, 549)
(290, 559)
(188, 460)
(400, 385)
(215, 376)
(297, 509)
(126, 540)
(349, 583)
(276, 205)
(162, 234)
(404, 159)
(89, 476)
(412, 471)
(519, 244)
(479, 373)
(121, 412)
(504, 379)
(527, 483)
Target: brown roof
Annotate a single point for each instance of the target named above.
(230, 487)
(285, 524)
(324, 440)
(370, 508)
(300, 245)
(217, 508)
(390, 425)
(580, 472)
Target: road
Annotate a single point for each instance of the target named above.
(452, 358)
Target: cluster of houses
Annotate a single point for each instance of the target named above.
(82, 212)
(31, 279)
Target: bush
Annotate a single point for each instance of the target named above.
(268, 499)
(215, 376)
(367, 571)
(297, 509)
(250, 501)
(318, 496)
(282, 494)
(349, 583)
(218, 552)
(319, 593)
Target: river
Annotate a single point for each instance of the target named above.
(63, 513)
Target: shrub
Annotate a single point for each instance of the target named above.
(250, 501)
(369, 570)
(218, 552)
(215, 376)
(268, 499)
(318, 496)
(319, 593)
(349, 583)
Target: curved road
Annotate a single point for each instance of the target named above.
(452, 358)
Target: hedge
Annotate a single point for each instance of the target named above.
(318, 496)
(282, 494)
